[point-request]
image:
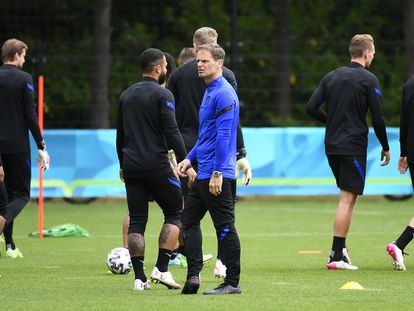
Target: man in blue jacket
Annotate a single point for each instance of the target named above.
(215, 154)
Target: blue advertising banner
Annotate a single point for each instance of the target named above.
(285, 161)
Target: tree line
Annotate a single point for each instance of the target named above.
(280, 49)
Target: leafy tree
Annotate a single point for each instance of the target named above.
(408, 9)
(61, 37)
(283, 59)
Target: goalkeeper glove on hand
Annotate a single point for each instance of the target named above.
(43, 159)
(172, 159)
(244, 166)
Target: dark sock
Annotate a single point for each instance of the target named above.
(174, 254)
(8, 235)
(138, 265)
(180, 249)
(164, 256)
(405, 238)
(337, 246)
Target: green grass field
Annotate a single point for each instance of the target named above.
(71, 274)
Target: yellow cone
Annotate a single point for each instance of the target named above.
(352, 285)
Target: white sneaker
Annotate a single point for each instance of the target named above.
(220, 269)
(346, 256)
(164, 278)
(340, 265)
(139, 285)
(397, 256)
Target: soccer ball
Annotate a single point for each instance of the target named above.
(119, 261)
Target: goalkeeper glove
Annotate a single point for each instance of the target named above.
(172, 159)
(244, 166)
(43, 159)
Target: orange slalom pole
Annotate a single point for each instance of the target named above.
(40, 115)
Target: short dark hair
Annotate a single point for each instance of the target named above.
(10, 48)
(216, 50)
(150, 58)
(170, 65)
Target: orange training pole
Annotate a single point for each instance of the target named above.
(40, 113)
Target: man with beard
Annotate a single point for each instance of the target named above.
(146, 125)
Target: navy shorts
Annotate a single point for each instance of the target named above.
(349, 172)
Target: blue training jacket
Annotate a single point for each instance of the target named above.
(215, 149)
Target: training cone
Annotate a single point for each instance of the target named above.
(352, 285)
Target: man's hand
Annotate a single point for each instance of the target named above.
(402, 165)
(182, 167)
(43, 159)
(244, 166)
(215, 185)
(1, 173)
(121, 175)
(387, 156)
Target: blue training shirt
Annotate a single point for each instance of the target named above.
(215, 149)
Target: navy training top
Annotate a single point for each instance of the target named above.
(349, 92)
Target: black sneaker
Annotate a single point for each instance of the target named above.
(223, 289)
(191, 286)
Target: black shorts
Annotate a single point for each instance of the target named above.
(349, 172)
(17, 174)
(165, 190)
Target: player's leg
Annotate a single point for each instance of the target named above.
(221, 209)
(406, 236)
(349, 172)
(137, 199)
(3, 206)
(125, 225)
(166, 191)
(220, 268)
(396, 249)
(178, 257)
(193, 212)
(3, 199)
(17, 171)
(342, 222)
